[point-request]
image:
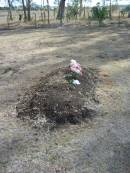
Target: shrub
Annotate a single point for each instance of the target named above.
(127, 9)
(73, 10)
(99, 13)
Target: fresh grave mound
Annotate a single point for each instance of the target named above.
(57, 100)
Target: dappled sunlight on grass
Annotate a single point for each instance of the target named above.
(114, 67)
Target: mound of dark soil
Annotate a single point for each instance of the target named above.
(54, 99)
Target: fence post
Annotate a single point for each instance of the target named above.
(84, 12)
(44, 16)
(119, 22)
(41, 15)
(8, 24)
(35, 20)
(54, 13)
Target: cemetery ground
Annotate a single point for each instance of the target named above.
(100, 144)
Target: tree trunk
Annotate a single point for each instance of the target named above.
(104, 2)
(110, 10)
(24, 10)
(81, 6)
(84, 11)
(48, 11)
(29, 9)
(10, 12)
(100, 23)
(61, 11)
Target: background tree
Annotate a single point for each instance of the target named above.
(104, 2)
(61, 11)
(99, 13)
(110, 9)
(24, 10)
(57, 2)
(28, 3)
(73, 10)
(10, 9)
(81, 7)
(127, 9)
(48, 11)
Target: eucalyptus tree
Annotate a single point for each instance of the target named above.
(61, 11)
(104, 2)
(99, 13)
(24, 9)
(110, 9)
(44, 9)
(48, 11)
(75, 5)
(10, 9)
(73, 10)
(28, 4)
(21, 2)
(81, 7)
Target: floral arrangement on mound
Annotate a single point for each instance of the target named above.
(66, 94)
(75, 71)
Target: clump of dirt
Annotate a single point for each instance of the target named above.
(57, 101)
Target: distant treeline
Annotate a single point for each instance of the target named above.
(21, 8)
(4, 8)
(37, 7)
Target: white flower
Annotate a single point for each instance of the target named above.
(76, 82)
(72, 62)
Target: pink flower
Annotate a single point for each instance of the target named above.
(75, 67)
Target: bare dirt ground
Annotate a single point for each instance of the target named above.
(101, 145)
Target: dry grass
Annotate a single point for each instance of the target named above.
(27, 55)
